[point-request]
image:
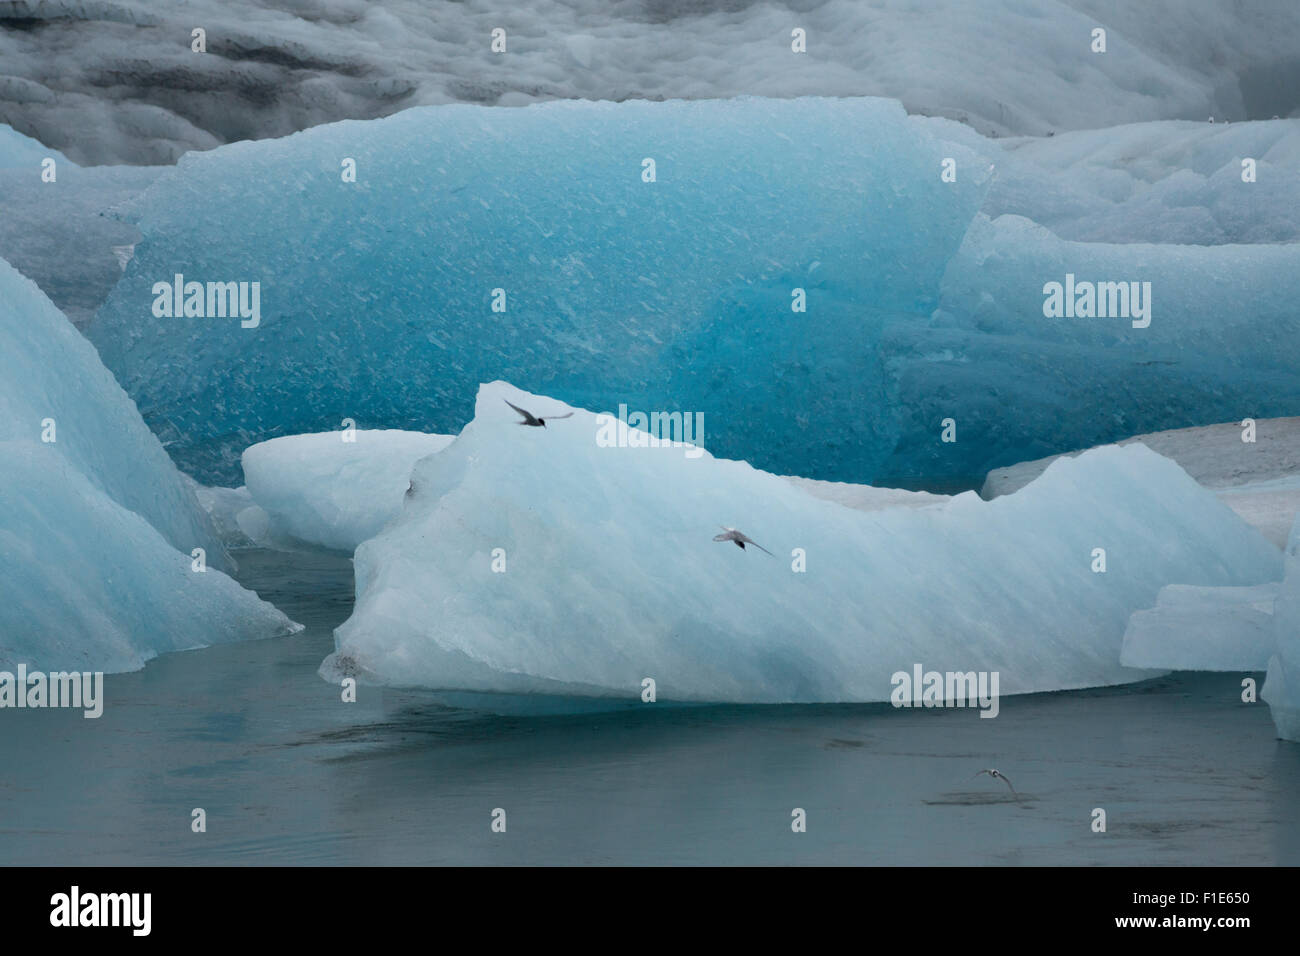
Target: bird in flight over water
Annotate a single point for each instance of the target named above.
(998, 775)
(741, 539)
(530, 418)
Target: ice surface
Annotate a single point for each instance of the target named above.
(63, 234)
(1259, 480)
(97, 527)
(1221, 345)
(612, 576)
(89, 585)
(1214, 455)
(621, 291)
(1161, 182)
(49, 372)
(323, 490)
(238, 519)
(617, 290)
(1204, 629)
(77, 75)
(1282, 684)
(865, 497)
(22, 152)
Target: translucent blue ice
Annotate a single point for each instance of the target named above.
(99, 532)
(377, 296)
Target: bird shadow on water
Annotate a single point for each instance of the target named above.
(972, 798)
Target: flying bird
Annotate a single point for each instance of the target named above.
(998, 775)
(740, 538)
(530, 418)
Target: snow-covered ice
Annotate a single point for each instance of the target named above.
(324, 490)
(608, 574)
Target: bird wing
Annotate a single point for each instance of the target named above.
(555, 417)
(748, 540)
(528, 416)
(726, 536)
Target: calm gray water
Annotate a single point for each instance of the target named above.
(289, 774)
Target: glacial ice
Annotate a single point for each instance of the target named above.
(377, 296)
(610, 573)
(1259, 479)
(618, 290)
(77, 77)
(64, 234)
(1161, 182)
(89, 585)
(1281, 688)
(1204, 629)
(98, 529)
(324, 490)
(1282, 683)
(1228, 629)
(22, 152)
(54, 385)
(1221, 345)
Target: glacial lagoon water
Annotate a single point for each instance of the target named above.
(289, 774)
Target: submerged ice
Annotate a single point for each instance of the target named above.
(534, 560)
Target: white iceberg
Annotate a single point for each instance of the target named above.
(1258, 479)
(333, 489)
(1204, 629)
(560, 560)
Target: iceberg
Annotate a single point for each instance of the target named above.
(1161, 182)
(1259, 478)
(539, 245)
(570, 561)
(633, 251)
(1204, 629)
(90, 585)
(1281, 688)
(55, 391)
(1282, 682)
(333, 489)
(108, 557)
(1218, 344)
(63, 233)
